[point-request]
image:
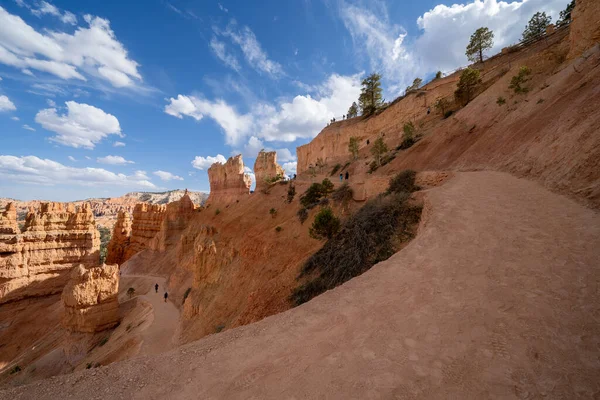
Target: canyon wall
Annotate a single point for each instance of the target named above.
(228, 182)
(266, 169)
(177, 215)
(90, 299)
(585, 29)
(119, 241)
(37, 261)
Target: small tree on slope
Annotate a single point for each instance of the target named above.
(537, 25)
(370, 98)
(352, 111)
(481, 40)
(469, 79)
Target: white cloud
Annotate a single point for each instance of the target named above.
(223, 8)
(113, 160)
(205, 162)
(93, 49)
(255, 145)
(248, 171)
(51, 103)
(234, 125)
(47, 90)
(303, 117)
(15, 118)
(284, 155)
(88, 157)
(69, 18)
(290, 167)
(252, 50)
(72, 158)
(34, 170)
(6, 104)
(82, 126)
(218, 48)
(118, 144)
(167, 176)
(28, 128)
(27, 72)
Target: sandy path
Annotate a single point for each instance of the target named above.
(163, 333)
(498, 297)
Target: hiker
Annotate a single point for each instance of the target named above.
(156, 287)
(347, 175)
(166, 296)
(428, 110)
(368, 142)
(341, 177)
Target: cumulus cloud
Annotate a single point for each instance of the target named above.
(290, 167)
(82, 125)
(301, 118)
(118, 144)
(255, 145)
(248, 171)
(205, 162)
(6, 104)
(34, 170)
(94, 49)
(253, 52)
(218, 48)
(167, 176)
(28, 128)
(47, 8)
(15, 118)
(113, 160)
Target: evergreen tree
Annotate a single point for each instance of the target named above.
(370, 98)
(481, 40)
(415, 85)
(353, 147)
(469, 79)
(352, 111)
(565, 15)
(379, 149)
(537, 25)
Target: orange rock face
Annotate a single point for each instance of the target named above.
(266, 169)
(177, 215)
(90, 299)
(36, 262)
(119, 241)
(228, 182)
(585, 27)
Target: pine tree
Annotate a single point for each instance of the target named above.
(481, 40)
(469, 79)
(537, 25)
(370, 98)
(415, 85)
(565, 15)
(379, 149)
(353, 147)
(352, 111)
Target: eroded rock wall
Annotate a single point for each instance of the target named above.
(119, 241)
(90, 299)
(177, 215)
(147, 221)
(266, 169)
(228, 182)
(585, 26)
(37, 261)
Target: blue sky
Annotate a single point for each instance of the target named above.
(99, 98)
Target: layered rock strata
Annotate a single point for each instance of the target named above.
(119, 241)
(90, 299)
(228, 182)
(54, 239)
(267, 170)
(585, 30)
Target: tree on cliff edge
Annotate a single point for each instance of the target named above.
(370, 98)
(537, 25)
(481, 40)
(352, 111)
(565, 15)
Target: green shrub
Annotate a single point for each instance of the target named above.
(501, 101)
(439, 75)
(373, 234)
(327, 186)
(403, 182)
(217, 211)
(103, 341)
(302, 215)
(409, 129)
(291, 193)
(15, 370)
(278, 229)
(343, 194)
(273, 212)
(517, 81)
(315, 192)
(325, 225)
(130, 292)
(88, 366)
(406, 143)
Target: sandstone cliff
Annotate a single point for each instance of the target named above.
(177, 215)
(228, 182)
(266, 169)
(36, 262)
(90, 299)
(585, 30)
(120, 238)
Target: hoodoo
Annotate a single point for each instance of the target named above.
(266, 169)
(119, 241)
(228, 182)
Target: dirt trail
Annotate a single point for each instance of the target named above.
(497, 297)
(162, 334)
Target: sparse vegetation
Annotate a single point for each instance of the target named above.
(469, 80)
(278, 229)
(353, 147)
(500, 101)
(378, 149)
(274, 179)
(415, 85)
(14, 370)
(325, 225)
(217, 211)
(370, 98)
(540, 101)
(372, 235)
(439, 75)
(537, 25)
(315, 192)
(130, 292)
(336, 168)
(302, 215)
(481, 40)
(342, 195)
(291, 193)
(442, 105)
(517, 81)
(103, 341)
(403, 182)
(352, 111)
(105, 235)
(273, 212)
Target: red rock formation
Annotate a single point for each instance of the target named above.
(585, 26)
(266, 169)
(228, 182)
(55, 239)
(177, 215)
(119, 241)
(147, 220)
(90, 299)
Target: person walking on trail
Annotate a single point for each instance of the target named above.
(166, 296)
(347, 175)
(156, 287)
(341, 177)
